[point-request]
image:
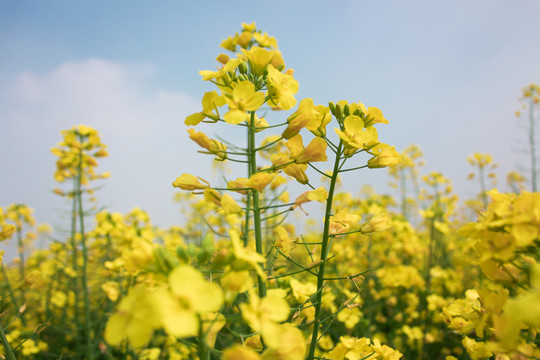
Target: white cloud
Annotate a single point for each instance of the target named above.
(142, 125)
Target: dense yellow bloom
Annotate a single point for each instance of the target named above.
(80, 148)
(243, 98)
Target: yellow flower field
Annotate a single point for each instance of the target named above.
(410, 277)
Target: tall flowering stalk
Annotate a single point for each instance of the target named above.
(77, 155)
(530, 101)
(255, 78)
(482, 162)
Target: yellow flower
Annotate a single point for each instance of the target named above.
(240, 183)
(306, 114)
(315, 151)
(355, 136)
(190, 294)
(385, 155)
(231, 65)
(281, 88)
(283, 241)
(260, 180)
(189, 182)
(320, 194)
(213, 146)
(342, 221)
(259, 59)
(211, 101)
(264, 315)
(243, 98)
(245, 257)
(265, 40)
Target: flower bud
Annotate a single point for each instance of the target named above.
(332, 107)
(339, 112)
(346, 110)
(243, 68)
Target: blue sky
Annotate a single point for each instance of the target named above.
(447, 75)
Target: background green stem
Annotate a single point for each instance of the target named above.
(9, 352)
(86, 298)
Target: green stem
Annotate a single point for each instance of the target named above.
(12, 295)
(483, 186)
(324, 254)
(86, 297)
(9, 353)
(252, 151)
(532, 144)
(75, 266)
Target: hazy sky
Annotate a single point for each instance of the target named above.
(447, 74)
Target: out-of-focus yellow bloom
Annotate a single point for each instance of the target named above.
(264, 315)
(7, 231)
(264, 40)
(135, 320)
(111, 289)
(239, 352)
(289, 344)
(379, 222)
(343, 221)
(385, 155)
